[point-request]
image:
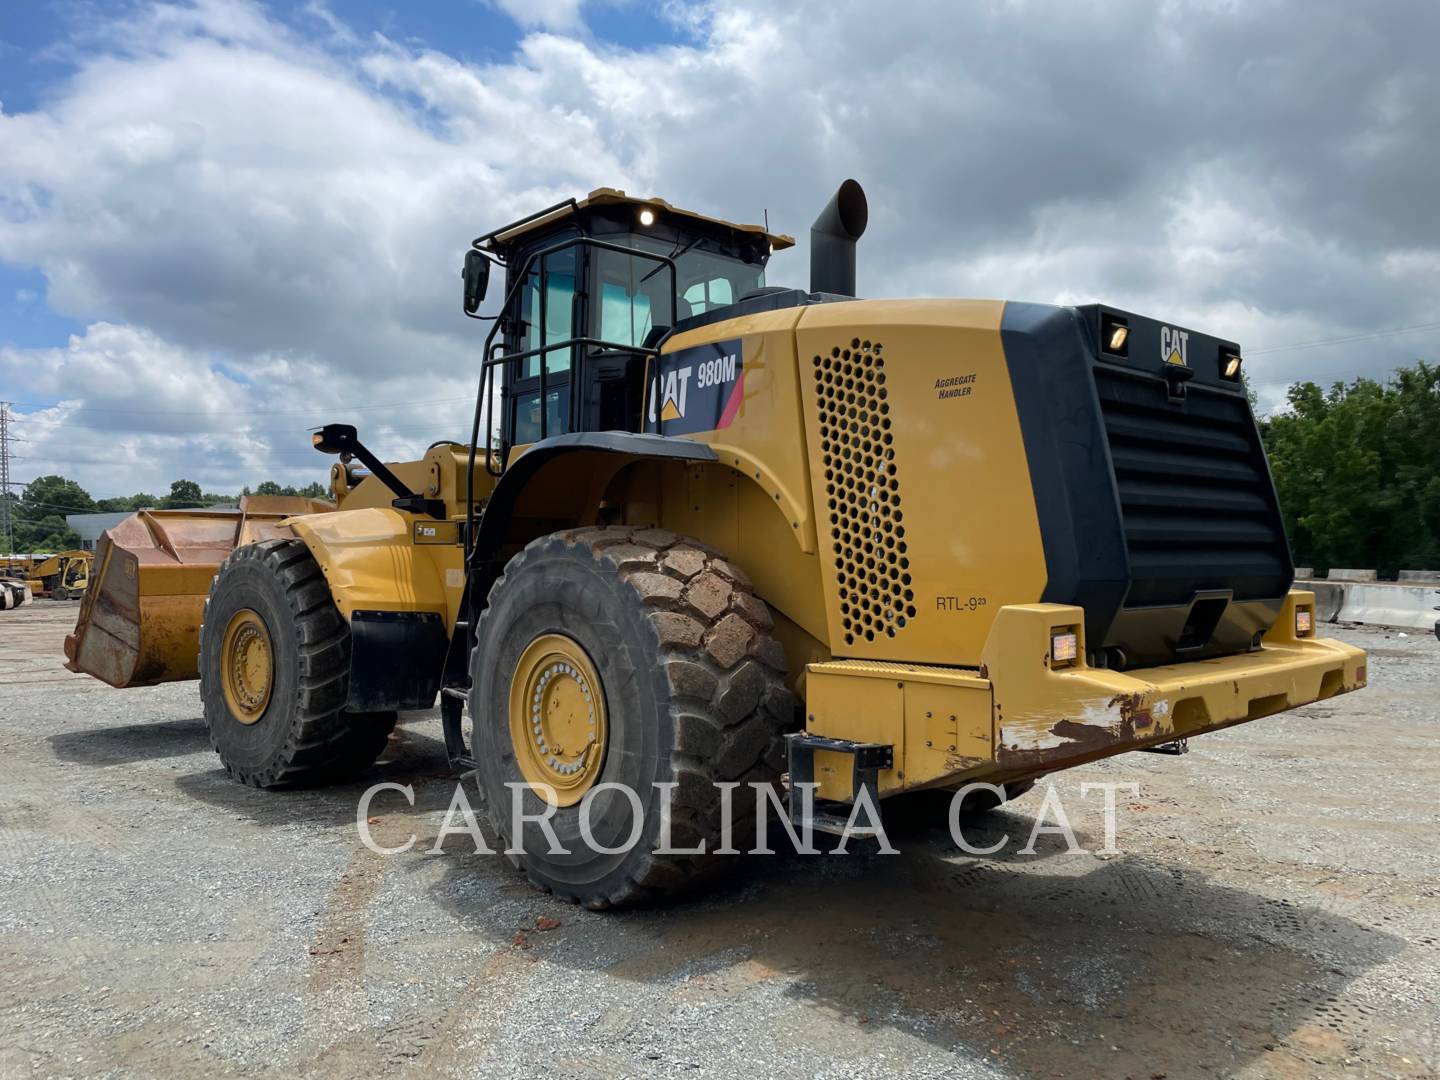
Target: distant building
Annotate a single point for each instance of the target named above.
(90, 526)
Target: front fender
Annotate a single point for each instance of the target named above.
(558, 479)
(371, 562)
(396, 597)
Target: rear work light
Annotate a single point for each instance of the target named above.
(1064, 647)
(1115, 335)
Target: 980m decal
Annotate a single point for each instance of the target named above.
(695, 389)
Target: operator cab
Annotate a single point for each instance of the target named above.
(591, 287)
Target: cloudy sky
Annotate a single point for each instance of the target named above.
(225, 222)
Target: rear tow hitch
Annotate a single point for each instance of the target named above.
(867, 760)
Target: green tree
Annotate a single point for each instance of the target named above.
(312, 490)
(1357, 468)
(55, 493)
(184, 494)
(40, 514)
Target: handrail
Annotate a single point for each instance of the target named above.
(490, 362)
(565, 204)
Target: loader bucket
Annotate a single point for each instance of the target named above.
(139, 622)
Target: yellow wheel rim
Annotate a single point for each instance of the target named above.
(558, 725)
(247, 666)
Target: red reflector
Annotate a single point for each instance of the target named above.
(1360, 673)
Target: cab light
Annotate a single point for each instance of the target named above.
(1304, 621)
(1064, 647)
(647, 217)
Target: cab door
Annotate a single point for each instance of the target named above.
(541, 399)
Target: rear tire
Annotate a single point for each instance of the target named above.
(692, 692)
(289, 729)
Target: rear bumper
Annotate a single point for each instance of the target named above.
(1054, 718)
(1020, 716)
(1160, 704)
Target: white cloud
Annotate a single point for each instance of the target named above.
(546, 14)
(248, 219)
(135, 412)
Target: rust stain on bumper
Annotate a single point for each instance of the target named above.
(1122, 722)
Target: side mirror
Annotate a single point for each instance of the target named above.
(477, 279)
(335, 438)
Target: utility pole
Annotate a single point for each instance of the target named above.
(7, 526)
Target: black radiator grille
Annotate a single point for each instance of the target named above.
(1196, 500)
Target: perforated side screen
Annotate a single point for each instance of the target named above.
(862, 486)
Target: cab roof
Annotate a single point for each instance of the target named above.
(509, 234)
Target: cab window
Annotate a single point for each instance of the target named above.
(704, 295)
(634, 294)
(559, 313)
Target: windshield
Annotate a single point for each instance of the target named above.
(635, 293)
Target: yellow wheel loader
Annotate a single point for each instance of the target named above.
(707, 531)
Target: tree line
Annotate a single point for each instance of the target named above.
(1357, 467)
(38, 514)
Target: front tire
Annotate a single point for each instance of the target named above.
(637, 657)
(275, 673)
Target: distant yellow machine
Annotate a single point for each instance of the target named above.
(728, 530)
(62, 576)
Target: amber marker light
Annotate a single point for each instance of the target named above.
(1064, 647)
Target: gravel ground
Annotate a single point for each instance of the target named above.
(1274, 911)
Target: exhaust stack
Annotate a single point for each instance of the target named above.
(832, 240)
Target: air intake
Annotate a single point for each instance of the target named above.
(862, 488)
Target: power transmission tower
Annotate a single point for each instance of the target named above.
(7, 527)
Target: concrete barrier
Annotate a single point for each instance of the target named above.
(1384, 604)
(1329, 599)
(1304, 573)
(1351, 575)
(1419, 577)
